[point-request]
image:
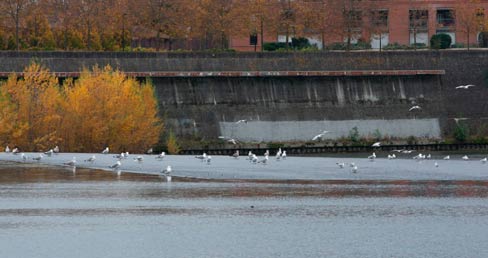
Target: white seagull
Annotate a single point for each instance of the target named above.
(320, 135)
(242, 121)
(446, 157)
(465, 86)
(465, 157)
(233, 141)
(415, 108)
(484, 160)
(236, 154)
(116, 165)
(341, 165)
(150, 151)
(372, 157)
(139, 159)
(202, 157)
(39, 157)
(354, 169)
(161, 156)
(105, 151)
(71, 162)
(167, 173)
(16, 151)
(91, 159)
(376, 144)
(23, 156)
(49, 152)
(7, 149)
(56, 149)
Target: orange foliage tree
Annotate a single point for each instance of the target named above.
(31, 112)
(102, 108)
(106, 108)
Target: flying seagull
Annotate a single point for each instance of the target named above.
(242, 121)
(320, 135)
(415, 108)
(465, 86)
(376, 144)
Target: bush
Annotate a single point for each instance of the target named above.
(354, 134)
(343, 46)
(440, 41)
(461, 133)
(295, 44)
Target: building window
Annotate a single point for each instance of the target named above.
(419, 20)
(445, 19)
(380, 19)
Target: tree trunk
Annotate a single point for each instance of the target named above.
(262, 34)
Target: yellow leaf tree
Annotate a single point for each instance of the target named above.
(106, 108)
(31, 112)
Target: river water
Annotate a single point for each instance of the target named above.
(55, 212)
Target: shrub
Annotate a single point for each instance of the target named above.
(172, 144)
(354, 134)
(440, 41)
(461, 133)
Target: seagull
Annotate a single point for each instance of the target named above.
(56, 149)
(372, 157)
(71, 162)
(278, 154)
(436, 165)
(341, 165)
(242, 121)
(254, 158)
(415, 108)
(167, 173)
(376, 144)
(150, 151)
(39, 157)
(283, 155)
(428, 156)
(49, 152)
(446, 157)
(352, 164)
(105, 151)
(139, 159)
(236, 154)
(15, 151)
(457, 119)
(407, 151)
(392, 156)
(116, 165)
(91, 159)
(208, 160)
(465, 86)
(484, 160)
(354, 169)
(233, 141)
(203, 157)
(119, 156)
(7, 149)
(465, 157)
(264, 160)
(320, 135)
(125, 155)
(161, 156)
(23, 156)
(249, 155)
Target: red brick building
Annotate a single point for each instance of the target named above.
(406, 22)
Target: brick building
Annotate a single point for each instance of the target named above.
(405, 22)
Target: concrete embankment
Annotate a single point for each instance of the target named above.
(293, 96)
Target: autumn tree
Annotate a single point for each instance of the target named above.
(106, 108)
(31, 109)
(320, 18)
(16, 10)
(469, 17)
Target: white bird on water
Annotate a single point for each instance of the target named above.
(116, 165)
(354, 169)
(242, 121)
(56, 149)
(447, 157)
(161, 156)
(372, 157)
(465, 87)
(465, 157)
(341, 165)
(49, 152)
(254, 158)
(208, 160)
(202, 157)
(167, 173)
(23, 156)
(264, 160)
(415, 108)
(16, 151)
(91, 159)
(150, 151)
(7, 149)
(139, 159)
(483, 160)
(105, 151)
(236, 154)
(283, 155)
(71, 162)
(436, 164)
(39, 157)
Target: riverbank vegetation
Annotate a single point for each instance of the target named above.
(103, 107)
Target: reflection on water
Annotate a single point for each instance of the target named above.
(91, 213)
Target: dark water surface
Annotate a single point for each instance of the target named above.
(53, 212)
